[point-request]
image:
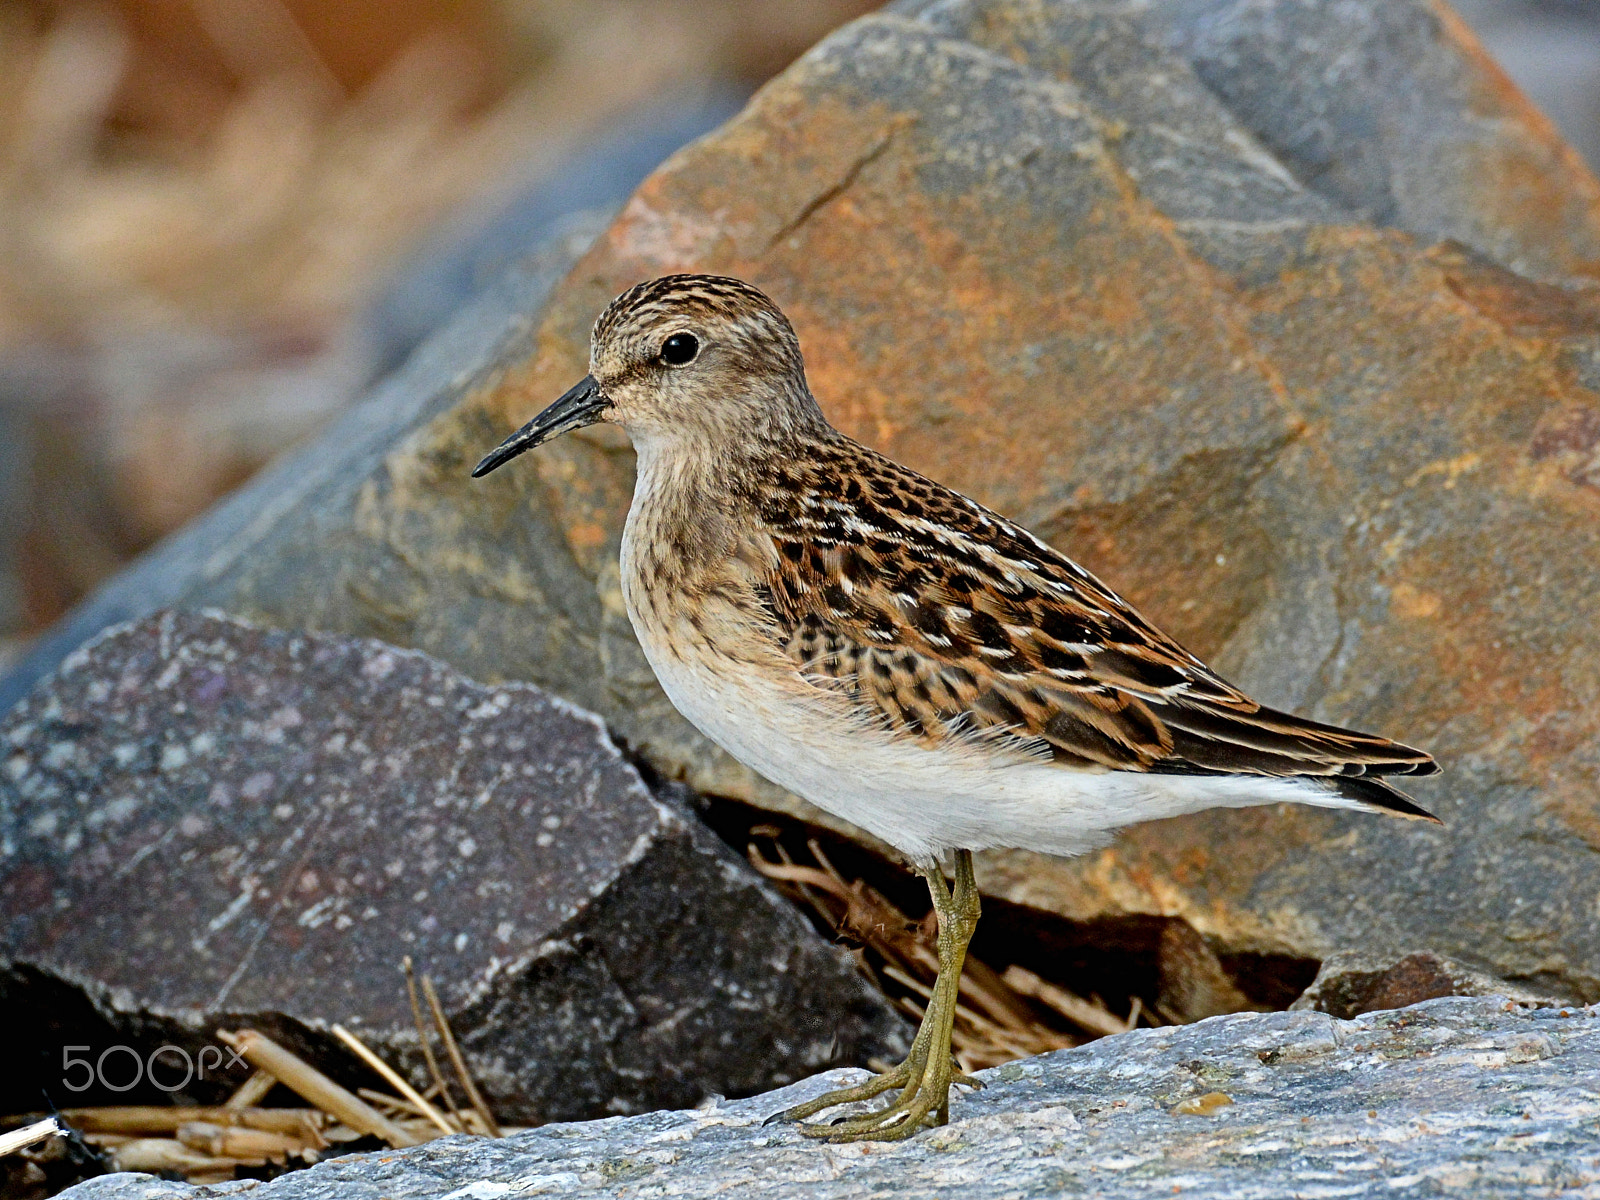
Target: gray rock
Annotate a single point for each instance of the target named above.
(1462, 1097)
(1394, 112)
(204, 824)
(1237, 113)
(1551, 50)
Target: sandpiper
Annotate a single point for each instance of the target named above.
(898, 654)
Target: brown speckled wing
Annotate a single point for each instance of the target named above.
(944, 621)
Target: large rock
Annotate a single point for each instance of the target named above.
(1454, 1097)
(1273, 312)
(204, 824)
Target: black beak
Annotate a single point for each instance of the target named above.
(582, 405)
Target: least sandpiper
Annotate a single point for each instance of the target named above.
(895, 652)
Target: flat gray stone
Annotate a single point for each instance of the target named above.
(1469, 1097)
(204, 824)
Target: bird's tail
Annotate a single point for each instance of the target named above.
(1376, 794)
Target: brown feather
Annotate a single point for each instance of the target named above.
(947, 621)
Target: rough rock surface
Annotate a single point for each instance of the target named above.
(205, 823)
(1353, 982)
(1275, 313)
(1453, 1097)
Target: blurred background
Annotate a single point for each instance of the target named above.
(220, 220)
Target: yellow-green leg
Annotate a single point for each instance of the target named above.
(925, 1077)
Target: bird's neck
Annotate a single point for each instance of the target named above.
(694, 498)
(688, 494)
(716, 464)
(680, 480)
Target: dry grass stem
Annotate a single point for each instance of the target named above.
(425, 1040)
(1092, 1017)
(906, 981)
(388, 1103)
(252, 1091)
(392, 1078)
(21, 1139)
(305, 1080)
(459, 1063)
(207, 1143)
(982, 986)
(997, 1021)
(147, 1119)
(404, 1113)
(108, 1139)
(1135, 1011)
(256, 1147)
(155, 1155)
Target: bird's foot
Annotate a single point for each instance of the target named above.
(910, 1077)
(924, 1101)
(894, 1077)
(925, 1077)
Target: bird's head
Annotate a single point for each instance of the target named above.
(699, 358)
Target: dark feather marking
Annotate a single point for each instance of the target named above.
(1052, 659)
(1065, 627)
(1142, 672)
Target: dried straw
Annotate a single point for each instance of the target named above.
(305, 1080)
(21, 1139)
(392, 1078)
(459, 1063)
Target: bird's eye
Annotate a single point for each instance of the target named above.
(679, 349)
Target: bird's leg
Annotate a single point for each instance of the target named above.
(895, 1077)
(925, 1077)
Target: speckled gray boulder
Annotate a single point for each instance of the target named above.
(1467, 1097)
(203, 823)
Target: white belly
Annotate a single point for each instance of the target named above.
(924, 801)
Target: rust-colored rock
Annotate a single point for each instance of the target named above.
(1349, 462)
(1274, 313)
(1353, 982)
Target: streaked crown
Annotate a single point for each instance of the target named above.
(688, 361)
(700, 359)
(741, 318)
